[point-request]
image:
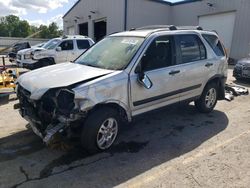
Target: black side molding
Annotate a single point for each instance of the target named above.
(151, 99)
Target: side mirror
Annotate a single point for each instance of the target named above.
(144, 80)
(58, 49)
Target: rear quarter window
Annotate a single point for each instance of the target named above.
(82, 44)
(215, 44)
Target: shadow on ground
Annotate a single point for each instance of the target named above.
(152, 139)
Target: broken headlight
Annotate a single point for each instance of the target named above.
(65, 101)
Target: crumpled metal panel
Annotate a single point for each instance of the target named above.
(112, 88)
(61, 75)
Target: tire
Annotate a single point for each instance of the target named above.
(237, 78)
(93, 131)
(208, 99)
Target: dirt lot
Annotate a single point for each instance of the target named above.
(173, 147)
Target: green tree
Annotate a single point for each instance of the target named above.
(3, 30)
(12, 23)
(50, 31)
(44, 32)
(22, 29)
(12, 26)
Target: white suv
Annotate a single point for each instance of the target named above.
(124, 75)
(57, 50)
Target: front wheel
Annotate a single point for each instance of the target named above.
(208, 99)
(100, 130)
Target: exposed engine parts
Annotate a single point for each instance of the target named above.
(51, 114)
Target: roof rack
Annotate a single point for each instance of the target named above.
(169, 27)
(189, 28)
(73, 36)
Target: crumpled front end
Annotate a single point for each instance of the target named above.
(53, 113)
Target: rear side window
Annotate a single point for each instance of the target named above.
(191, 48)
(82, 44)
(215, 44)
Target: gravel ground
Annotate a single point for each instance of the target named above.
(172, 147)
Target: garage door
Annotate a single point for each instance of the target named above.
(223, 24)
(71, 30)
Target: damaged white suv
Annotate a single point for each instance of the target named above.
(123, 75)
(57, 50)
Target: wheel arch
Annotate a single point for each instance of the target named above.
(220, 82)
(123, 110)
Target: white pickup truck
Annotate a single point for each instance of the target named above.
(57, 50)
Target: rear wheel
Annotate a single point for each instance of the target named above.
(100, 130)
(208, 99)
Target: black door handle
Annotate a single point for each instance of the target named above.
(174, 72)
(209, 65)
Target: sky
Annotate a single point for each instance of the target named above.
(38, 12)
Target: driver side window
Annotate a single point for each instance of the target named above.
(159, 54)
(67, 45)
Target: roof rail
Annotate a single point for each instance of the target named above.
(189, 28)
(170, 27)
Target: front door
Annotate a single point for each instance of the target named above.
(158, 63)
(67, 47)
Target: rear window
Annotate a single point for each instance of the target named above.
(215, 44)
(82, 44)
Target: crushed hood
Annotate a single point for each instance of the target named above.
(60, 75)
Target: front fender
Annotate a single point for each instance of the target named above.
(86, 105)
(110, 89)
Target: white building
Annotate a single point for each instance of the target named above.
(97, 18)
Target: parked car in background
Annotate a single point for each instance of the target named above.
(124, 75)
(242, 69)
(57, 50)
(17, 47)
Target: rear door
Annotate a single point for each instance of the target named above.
(81, 46)
(195, 68)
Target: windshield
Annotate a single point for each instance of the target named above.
(113, 53)
(40, 45)
(51, 44)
